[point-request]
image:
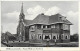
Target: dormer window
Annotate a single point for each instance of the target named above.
(63, 18)
(42, 13)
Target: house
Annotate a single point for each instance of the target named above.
(7, 36)
(43, 28)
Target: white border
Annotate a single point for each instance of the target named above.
(40, 48)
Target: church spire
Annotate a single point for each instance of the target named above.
(22, 8)
(22, 16)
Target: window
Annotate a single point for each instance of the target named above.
(45, 37)
(44, 26)
(33, 36)
(32, 27)
(41, 26)
(54, 37)
(65, 27)
(39, 36)
(52, 26)
(57, 36)
(48, 26)
(38, 26)
(63, 18)
(62, 36)
(66, 37)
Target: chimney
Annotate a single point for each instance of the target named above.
(42, 13)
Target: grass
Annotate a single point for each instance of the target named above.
(22, 44)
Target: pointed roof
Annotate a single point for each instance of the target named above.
(22, 16)
(44, 19)
(21, 9)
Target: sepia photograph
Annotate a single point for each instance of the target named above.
(39, 24)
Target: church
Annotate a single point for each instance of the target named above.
(43, 28)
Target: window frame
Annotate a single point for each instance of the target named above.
(44, 26)
(53, 26)
(46, 35)
(38, 26)
(39, 35)
(48, 26)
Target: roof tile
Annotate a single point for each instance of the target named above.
(44, 19)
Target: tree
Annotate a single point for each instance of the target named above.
(74, 38)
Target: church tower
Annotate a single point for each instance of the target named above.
(22, 16)
(21, 27)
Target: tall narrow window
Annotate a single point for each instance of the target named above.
(41, 26)
(39, 36)
(57, 36)
(32, 36)
(62, 36)
(66, 37)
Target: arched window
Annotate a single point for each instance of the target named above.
(54, 37)
(47, 37)
(39, 36)
(66, 37)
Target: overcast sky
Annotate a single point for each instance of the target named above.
(10, 12)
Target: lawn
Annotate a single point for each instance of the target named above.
(22, 44)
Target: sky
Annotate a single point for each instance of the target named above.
(10, 11)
